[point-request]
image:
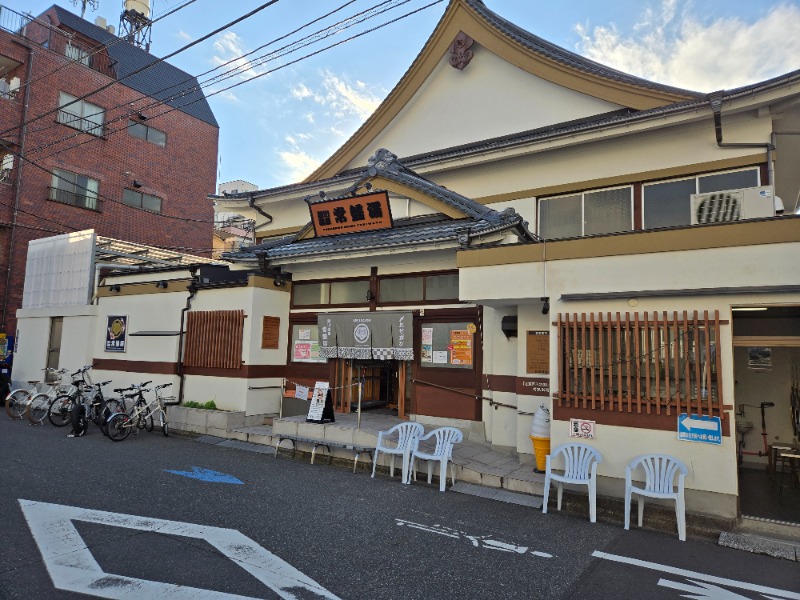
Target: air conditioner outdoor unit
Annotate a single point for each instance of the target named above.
(733, 205)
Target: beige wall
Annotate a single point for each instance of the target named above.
(489, 98)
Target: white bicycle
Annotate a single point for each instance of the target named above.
(40, 403)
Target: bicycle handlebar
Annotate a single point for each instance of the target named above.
(162, 386)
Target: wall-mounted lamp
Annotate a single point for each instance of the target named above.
(279, 281)
(546, 304)
(137, 183)
(368, 185)
(162, 284)
(142, 116)
(114, 288)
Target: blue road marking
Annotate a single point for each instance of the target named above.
(207, 475)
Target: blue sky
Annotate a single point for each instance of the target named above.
(278, 126)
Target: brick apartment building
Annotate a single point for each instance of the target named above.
(134, 161)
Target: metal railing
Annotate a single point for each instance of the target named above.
(45, 35)
(82, 200)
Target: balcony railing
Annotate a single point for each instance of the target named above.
(45, 35)
(81, 199)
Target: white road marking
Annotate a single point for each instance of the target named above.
(761, 589)
(706, 591)
(478, 541)
(72, 567)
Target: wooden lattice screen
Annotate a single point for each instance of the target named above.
(214, 339)
(650, 363)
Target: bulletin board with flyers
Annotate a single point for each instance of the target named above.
(448, 345)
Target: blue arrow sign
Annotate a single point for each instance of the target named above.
(207, 475)
(706, 430)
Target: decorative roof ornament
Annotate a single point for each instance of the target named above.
(382, 162)
(460, 53)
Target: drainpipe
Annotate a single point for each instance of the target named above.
(715, 101)
(184, 310)
(251, 200)
(20, 161)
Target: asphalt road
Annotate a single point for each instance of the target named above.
(113, 521)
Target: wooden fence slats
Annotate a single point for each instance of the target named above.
(591, 356)
(214, 339)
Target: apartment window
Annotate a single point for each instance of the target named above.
(78, 54)
(141, 200)
(589, 213)
(6, 166)
(145, 132)
(9, 87)
(72, 188)
(80, 114)
(667, 203)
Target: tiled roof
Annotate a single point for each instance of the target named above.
(478, 221)
(558, 54)
(161, 81)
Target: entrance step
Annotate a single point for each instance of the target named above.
(497, 494)
(757, 544)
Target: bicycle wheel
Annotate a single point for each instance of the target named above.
(119, 427)
(37, 409)
(109, 409)
(164, 425)
(16, 403)
(59, 411)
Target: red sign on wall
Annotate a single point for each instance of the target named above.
(351, 215)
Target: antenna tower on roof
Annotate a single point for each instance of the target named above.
(84, 3)
(135, 23)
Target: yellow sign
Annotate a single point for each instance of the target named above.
(471, 328)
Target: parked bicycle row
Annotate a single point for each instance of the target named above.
(82, 402)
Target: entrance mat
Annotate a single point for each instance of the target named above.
(497, 494)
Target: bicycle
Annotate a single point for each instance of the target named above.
(58, 413)
(120, 425)
(40, 403)
(88, 408)
(19, 400)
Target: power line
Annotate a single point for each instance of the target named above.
(147, 66)
(100, 47)
(185, 219)
(350, 21)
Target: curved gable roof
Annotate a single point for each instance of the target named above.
(520, 48)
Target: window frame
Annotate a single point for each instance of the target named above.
(133, 125)
(52, 196)
(66, 109)
(141, 200)
(696, 177)
(330, 283)
(424, 275)
(582, 194)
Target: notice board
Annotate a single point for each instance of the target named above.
(537, 352)
(270, 332)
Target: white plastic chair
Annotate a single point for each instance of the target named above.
(659, 473)
(406, 434)
(446, 437)
(580, 467)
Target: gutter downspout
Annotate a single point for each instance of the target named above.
(251, 201)
(21, 159)
(715, 101)
(192, 293)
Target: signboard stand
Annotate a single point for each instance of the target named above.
(321, 408)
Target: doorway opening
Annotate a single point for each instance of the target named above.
(766, 343)
(384, 385)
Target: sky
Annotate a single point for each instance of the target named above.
(287, 114)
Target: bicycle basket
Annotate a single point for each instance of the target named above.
(52, 377)
(169, 400)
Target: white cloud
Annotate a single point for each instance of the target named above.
(299, 164)
(231, 47)
(183, 35)
(675, 46)
(340, 98)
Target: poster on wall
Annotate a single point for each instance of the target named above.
(759, 359)
(537, 352)
(460, 347)
(116, 333)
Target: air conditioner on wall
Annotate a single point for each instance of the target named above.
(733, 205)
